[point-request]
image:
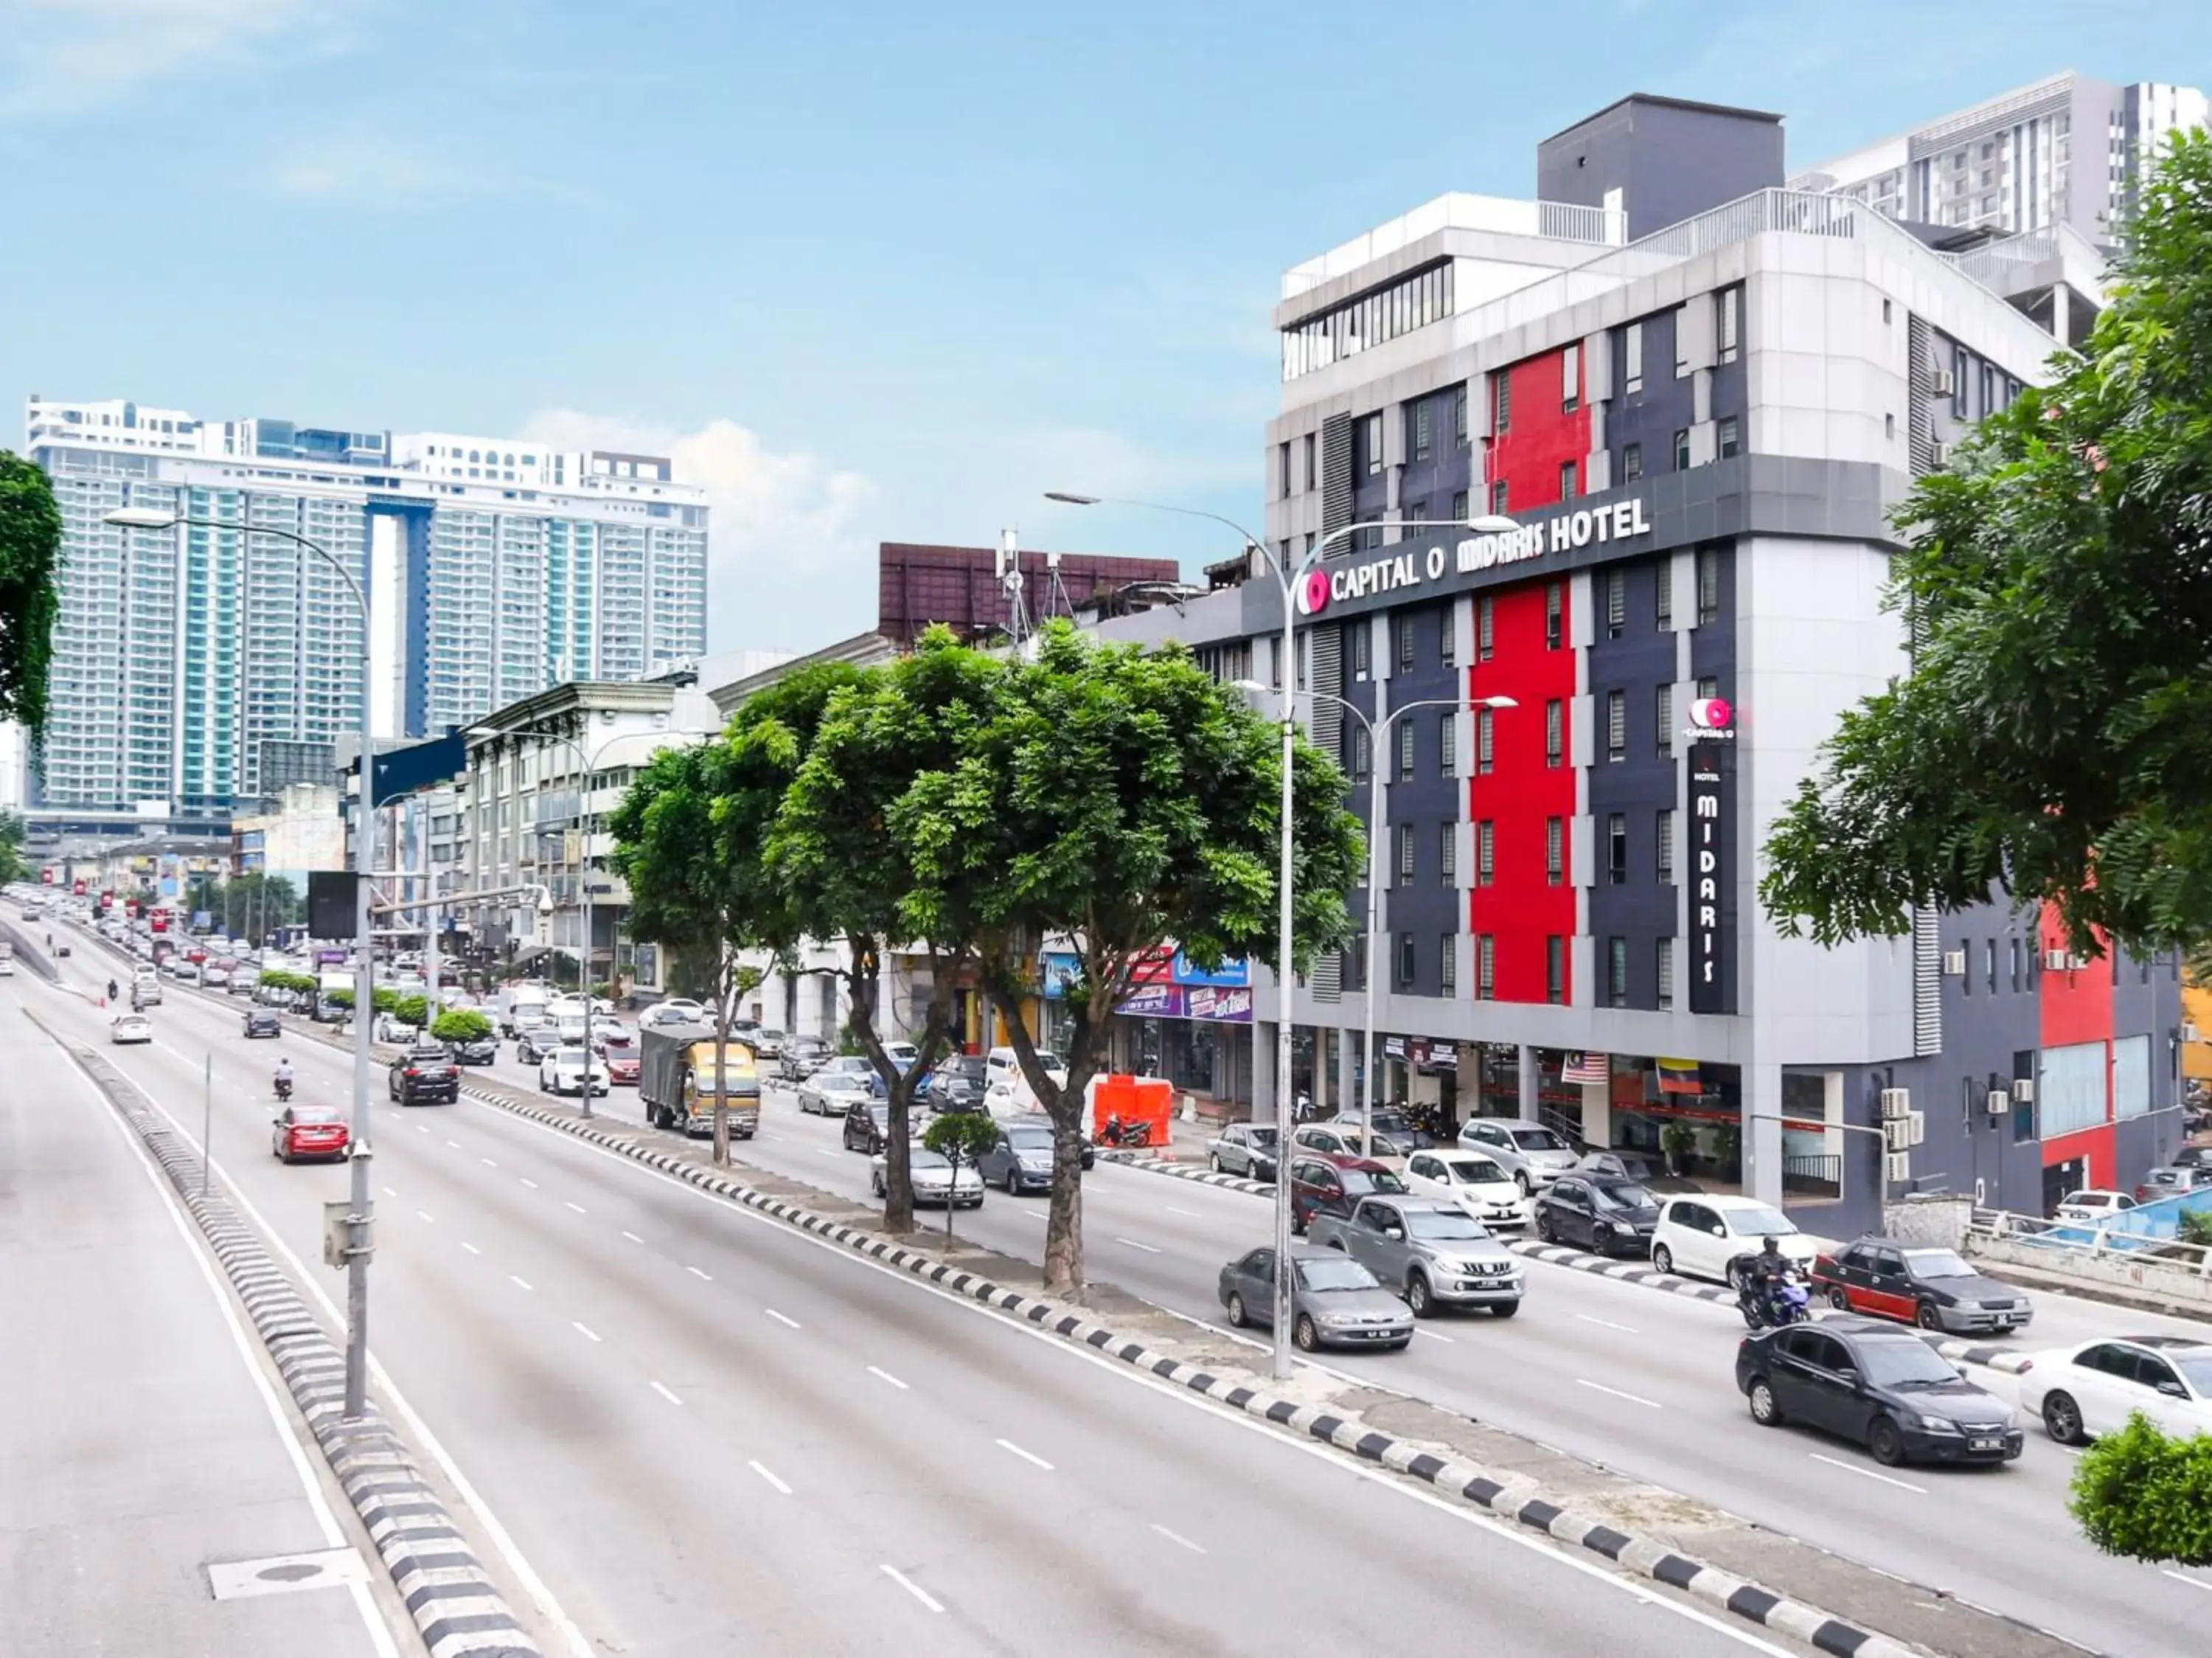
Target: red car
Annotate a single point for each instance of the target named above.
(310, 1132)
(1331, 1183)
(620, 1051)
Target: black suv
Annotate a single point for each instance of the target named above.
(425, 1072)
(956, 1084)
(475, 1051)
(263, 1022)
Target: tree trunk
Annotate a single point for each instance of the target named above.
(721, 1062)
(1063, 1232)
(898, 1087)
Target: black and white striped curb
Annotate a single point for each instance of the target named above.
(1510, 1498)
(453, 1601)
(1188, 1172)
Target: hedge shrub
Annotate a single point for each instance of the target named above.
(2144, 1495)
(461, 1025)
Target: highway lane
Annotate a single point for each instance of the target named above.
(140, 1437)
(1635, 1379)
(691, 1421)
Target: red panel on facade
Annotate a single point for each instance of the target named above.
(1520, 908)
(2074, 1006)
(1541, 435)
(2097, 1146)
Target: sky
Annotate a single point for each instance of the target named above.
(868, 272)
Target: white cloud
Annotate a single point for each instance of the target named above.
(785, 551)
(64, 56)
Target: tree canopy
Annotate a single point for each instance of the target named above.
(2054, 737)
(30, 590)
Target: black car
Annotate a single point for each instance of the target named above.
(425, 1073)
(1876, 1386)
(263, 1022)
(1597, 1212)
(1926, 1285)
(475, 1051)
(867, 1126)
(533, 1042)
(802, 1057)
(956, 1084)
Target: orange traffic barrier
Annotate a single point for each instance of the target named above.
(1134, 1100)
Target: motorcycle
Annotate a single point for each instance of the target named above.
(1126, 1135)
(1771, 1303)
(283, 1090)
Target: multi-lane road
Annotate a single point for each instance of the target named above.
(1632, 1377)
(686, 1430)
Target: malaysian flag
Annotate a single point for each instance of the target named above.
(1585, 1068)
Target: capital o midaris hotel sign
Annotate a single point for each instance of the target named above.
(1621, 520)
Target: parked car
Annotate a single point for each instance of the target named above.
(1532, 1156)
(1706, 1235)
(306, 1130)
(1927, 1285)
(1245, 1149)
(767, 1043)
(128, 1027)
(867, 1125)
(533, 1042)
(802, 1057)
(1330, 1183)
(2089, 1208)
(1597, 1212)
(392, 1029)
(857, 1066)
(570, 1071)
(833, 1093)
(425, 1072)
(2193, 1157)
(1334, 1301)
(1437, 1253)
(2091, 1387)
(475, 1051)
(677, 1010)
(1009, 1085)
(1475, 1183)
(1022, 1160)
(935, 1180)
(263, 1022)
(1340, 1138)
(956, 1084)
(1876, 1386)
(2173, 1181)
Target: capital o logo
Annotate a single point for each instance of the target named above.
(1711, 713)
(1313, 593)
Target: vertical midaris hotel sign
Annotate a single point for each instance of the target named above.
(1584, 526)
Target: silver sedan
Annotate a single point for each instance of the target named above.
(1334, 1301)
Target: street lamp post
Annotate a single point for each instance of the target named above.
(363, 1214)
(1287, 578)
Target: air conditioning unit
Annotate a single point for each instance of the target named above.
(1915, 1128)
(1955, 964)
(1942, 454)
(2000, 1102)
(1943, 384)
(1903, 1133)
(1895, 1102)
(2023, 1089)
(1897, 1167)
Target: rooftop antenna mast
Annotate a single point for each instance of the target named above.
(1007, 561)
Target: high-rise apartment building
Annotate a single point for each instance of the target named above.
(494, 568)
(2067, 150)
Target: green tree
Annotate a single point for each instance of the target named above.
(2146, 1495)
(2054, 738)
(960, 1138)
(1121, 800)
(461, 1025)
(13, 864)
(30, 590)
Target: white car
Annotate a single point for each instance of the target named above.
(2089, 1208)
(833, 1093)
(129, 1027)
(933, 1178)
(2092, 1387)
(1472, 1181)
(1532, 1156)
(562, 1071)
(1705, 1236)
(677, 1010)
(1002, 1065)
(392, 1029)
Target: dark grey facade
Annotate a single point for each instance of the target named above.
(1669, 158)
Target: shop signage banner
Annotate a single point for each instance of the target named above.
(1211, 1001)
(1161, 1000)
(1056, 969)
(1185, 971)
(1153, 967)
(1712, 905)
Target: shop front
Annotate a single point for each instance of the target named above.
(1190, 1025)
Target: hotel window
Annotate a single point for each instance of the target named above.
(1459, 417)
(1406, 643)
(1709, 687)
(1416, 512)
(2015, 955)
(1459, 507)
(1663, 711)
(1358, 751)
(1448, 853)
(1448, 964)
(1663, 596)
(1357, 957)
(1312, 475)
(1726, 306)
(1682, 449)
(1497, 496)
(1631, 463)
(1616, 603)
(1417, 432)
(1665, 840)
(1405, 854)
(1632, 355)
(1708, 586)
(1359, 632)
(1616, 972)
(1448, 744)
(1484, 741)
(1406, 752)
(1555, 970)
(1404, 961)
(1486, 852)
(1731, 443)
(1682, 338)
(1616, 848)
(1555, 851)
(1570, 379)
(1555, 732)
(1485, 628)
(1486, 967)
(1374, 430)
(1555, 616)
(1501, 388)
(1666, 972)
(1447, 636)
(1283, 461)
(1566, 480)
(1616, 727)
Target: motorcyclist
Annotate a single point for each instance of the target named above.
(1766, 1271)
(112, 991)
(283, 1079)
